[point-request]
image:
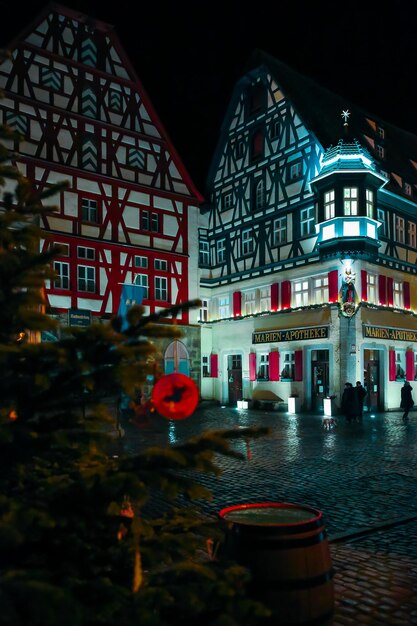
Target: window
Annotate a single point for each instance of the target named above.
(221, 250)
(161, 288)
(141, 261)
(86, 253)
(265, 299)
(287, 372)
(399, 229)
(142, 280)
(350, 201)
(274, 129)
(62, 279)
(369, 203)
(257, 145)
(239, 148)
(160, 264)
(371, 287)
(321, 290)
(412, 238)
(263, 369)
(329, 205)
(381, 132)
(86, 279)
(204, 311)
(381, 219)
(150, 220)
(400, 365)
(227, 201)
(307, 221)
(247, 242)
(259, 194)
(64, 248)
(51, 78)
(407, 189)
(89, 212)
(249, 303)
(204, 253)
(279, 234)
(294, 171)
(205, 365)
(398, 294)
(380, 151)
(301, 293)
(223, 307)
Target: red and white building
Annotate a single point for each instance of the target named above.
(129, 213)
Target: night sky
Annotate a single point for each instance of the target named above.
(189, 56)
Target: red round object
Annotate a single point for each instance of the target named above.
(175, 396)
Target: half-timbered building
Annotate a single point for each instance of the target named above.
(129, 215)
(308, 248)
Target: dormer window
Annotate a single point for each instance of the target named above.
(380, 132)
(380, 151)
(407, 189)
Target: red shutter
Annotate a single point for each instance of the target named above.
(274, 365)
(382, 287)
(286, 294)
(390, 291)
(409, 365)
(364, 285)
(274, 297)
(237, 303)
(333, 286)
(298, 363)
(252, 366)
(214, 365)
(406, 295)
(392, 367)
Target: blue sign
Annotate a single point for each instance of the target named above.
(79, 317)
(131, 295)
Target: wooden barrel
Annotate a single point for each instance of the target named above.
(285, 548)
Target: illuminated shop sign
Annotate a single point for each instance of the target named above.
(292, 334)
(395, 334)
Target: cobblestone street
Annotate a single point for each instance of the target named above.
(362, 476)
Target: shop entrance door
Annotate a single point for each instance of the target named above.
(373, 400)
(319, 378)
(234, 377)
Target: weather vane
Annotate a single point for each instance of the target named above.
(345, 115)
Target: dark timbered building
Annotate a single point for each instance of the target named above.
(308, 248)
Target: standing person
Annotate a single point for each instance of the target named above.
(360, 398)
(406, 399)
(349, 402)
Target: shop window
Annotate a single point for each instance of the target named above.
(205, 365)
(288, 370)
(400, 365)
(263, 368)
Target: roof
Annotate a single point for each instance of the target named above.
(320, 109)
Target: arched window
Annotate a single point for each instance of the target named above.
(259, 194)
(177, 359)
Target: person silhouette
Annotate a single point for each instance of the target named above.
(407, 401)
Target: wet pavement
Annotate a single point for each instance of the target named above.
(362, 476)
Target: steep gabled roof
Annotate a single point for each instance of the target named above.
(320, 109)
